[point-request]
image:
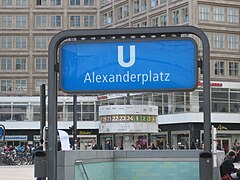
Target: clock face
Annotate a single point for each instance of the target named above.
(126, 138)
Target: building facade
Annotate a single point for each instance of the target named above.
(26, 28)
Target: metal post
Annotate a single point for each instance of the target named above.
(128, 99)
(75, 121)
(43, 109)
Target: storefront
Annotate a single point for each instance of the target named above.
(15, 140)
(85, 137)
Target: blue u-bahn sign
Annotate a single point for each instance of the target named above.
(149, 65)
(1, 132)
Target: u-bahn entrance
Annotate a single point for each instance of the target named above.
(114, 60)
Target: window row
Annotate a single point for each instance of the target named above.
(223, 41)
(13, 2)
(20, 64)
(219, 14)
(216, 40)
(223, 68)
(20, 85)
(18, 42)
(21, 42)
(222, 100)
(47, 2)
(44, 21)
(16, 21)
(22, 111)
(178, 16)
(70, 2)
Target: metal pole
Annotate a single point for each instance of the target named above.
(206, 95)
(43, 109)
(75, 121)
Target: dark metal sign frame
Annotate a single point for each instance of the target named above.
(102, 34)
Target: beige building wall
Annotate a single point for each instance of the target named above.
(23, 40)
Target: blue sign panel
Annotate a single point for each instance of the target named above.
(1, 132)
(150, 65)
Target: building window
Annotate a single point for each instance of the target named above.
(55, 21)
(154, 3)
(163, 20)
(233, 15)
(75, 21)
(21, 42)
(154, 22)
(6, 42)
(140, 24)
(41, 2)
(204, 12)
(233, 68)
(6, 21)
(41, 64)
(234, 101)
(41, 42)
(6, 2)
(233, 41)
(122, 12)
(139, 6)
(219, 68)
(21, 85)
(21, 63)
(74, 2)
(107, 18)
(38, 83)
(143, 5)
(218, 14)
(21, 21)
(41, 21)
(163, 1)
(88, 2)
(219, 41)
(88, 111)
(105, 1)
(175, 18)
(184, 13)
(6, 63)
(219, 98)
(6, 85)
(136, 6)
(21, 2)
(56, 2)
(88, 21)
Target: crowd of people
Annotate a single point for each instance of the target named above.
(17, 155)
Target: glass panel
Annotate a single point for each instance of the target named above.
(219, 100)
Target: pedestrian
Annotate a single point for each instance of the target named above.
(227, 169)
(94, 145)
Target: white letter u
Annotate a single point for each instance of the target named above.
(132, 56)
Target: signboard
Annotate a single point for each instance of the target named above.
(1, 132)
(128, 118)
(123, 127)
(123, 66)
(16, 138)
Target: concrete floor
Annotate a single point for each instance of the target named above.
(24, 172)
